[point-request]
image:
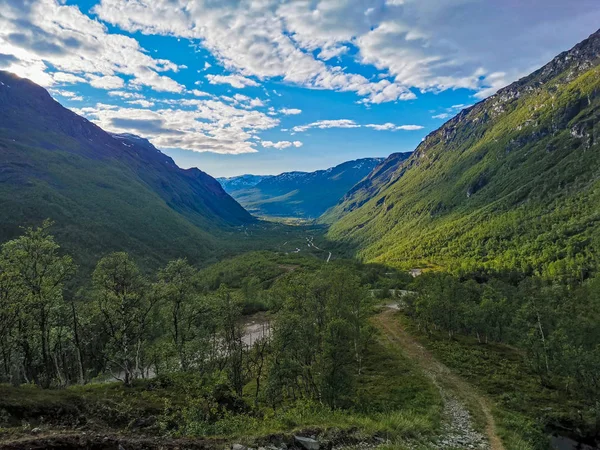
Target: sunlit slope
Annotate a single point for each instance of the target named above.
(510, 183)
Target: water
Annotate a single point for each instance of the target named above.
(256, 326)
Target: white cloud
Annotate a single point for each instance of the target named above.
(142, 103)
(393, 127)
(62, 93)
(427, 45)
(256, 103)
(68, 78)
(290, 111)
(347, 123)
(106, 82)
(199, 93)
(236, 81)
(339, 123)
(281, 144)
(47, 36)
(266, 39)
(124, 94)
(209, 126)
(67, 94)
(409, 127)
(441, 116)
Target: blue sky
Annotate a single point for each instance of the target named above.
(266, 86)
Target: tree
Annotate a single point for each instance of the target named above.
(229, 311)
(12, 297)
(176, 287)
(123, 304)
(41, 272)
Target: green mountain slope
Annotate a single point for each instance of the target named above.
(299, 194)
(509, 183)
(104, 192)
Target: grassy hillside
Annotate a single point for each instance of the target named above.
(105, 193)
(510, 183)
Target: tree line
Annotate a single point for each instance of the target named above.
(556, 325)
(123, 325)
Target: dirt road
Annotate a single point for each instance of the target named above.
(458, 430)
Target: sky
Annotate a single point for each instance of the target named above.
(268, 86)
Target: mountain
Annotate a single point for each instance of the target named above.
(246, 181)
(512, 182)
(367, 188)
(104, 192)
(301, 194)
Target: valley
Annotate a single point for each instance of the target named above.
(299, 195)
(441, 298)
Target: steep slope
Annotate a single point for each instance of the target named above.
(366, 188)
(104, 192)
(303, 194)
(509, 183)
(231, 184)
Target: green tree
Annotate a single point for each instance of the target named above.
(177, 288)
(34, 259)
(124, 305)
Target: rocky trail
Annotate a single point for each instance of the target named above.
(458, 430)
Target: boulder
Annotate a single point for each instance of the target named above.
(307, 443)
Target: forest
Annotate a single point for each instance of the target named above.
(173, 346)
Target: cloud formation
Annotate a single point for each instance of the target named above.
(51, 43)
(202, 125)
(392, 127)
(346, 123)
(281, 144)
(414, 44)
(236, 81)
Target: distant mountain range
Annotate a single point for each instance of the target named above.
(105, 192)
(511, 183)
(240, 182)
(298, 194)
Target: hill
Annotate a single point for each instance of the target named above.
(104, 192)
(304, 195)
(511, 183)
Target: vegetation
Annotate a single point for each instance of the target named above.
(172, 347)
(298, 195)
(509, 184)
(533, 346)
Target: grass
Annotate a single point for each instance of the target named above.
(523, 407)
(514, 190)
(394, 400)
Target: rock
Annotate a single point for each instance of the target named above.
(307, 443)
(144, 422)
(238, 447)
(36, 431)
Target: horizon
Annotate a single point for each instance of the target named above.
(295, 87)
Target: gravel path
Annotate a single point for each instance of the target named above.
(458, 431)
